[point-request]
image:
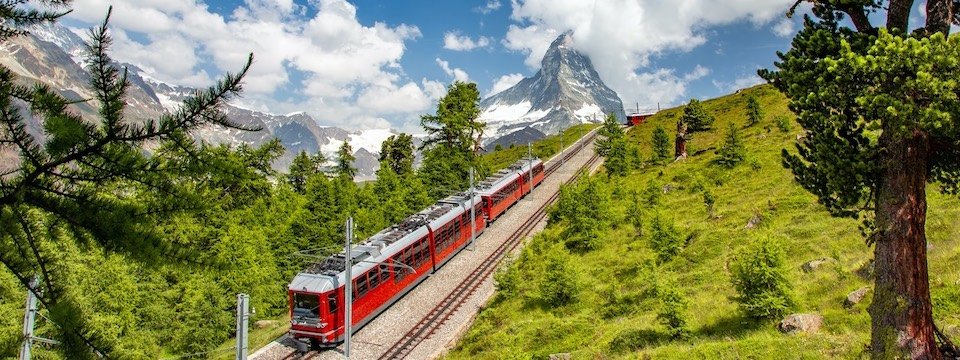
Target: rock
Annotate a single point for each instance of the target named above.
(263, 324)
(812, 265)
(560, 356)
(806, 323)
(753, 222)
(667, 188)
(855, 297)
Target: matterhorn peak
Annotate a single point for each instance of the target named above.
(566, 91)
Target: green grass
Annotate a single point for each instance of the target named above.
(258, 339)
(543, 148)
(520, 327)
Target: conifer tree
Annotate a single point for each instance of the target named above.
(660, 143)
(696, 117)
(613, 147)
(451, 148)
(754, 112)
(397, 153)
(345, 161)
(91, 181)
(303, 167)
(732, 152)
(879, 106)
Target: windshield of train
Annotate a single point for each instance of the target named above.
(306, 306)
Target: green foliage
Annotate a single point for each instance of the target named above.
(660, 143)
(559, 285)
(613, 147)
(665, 240)
(633, 339)
(709, 200)
(635, 213)
(303, 167)
(696, 117)
(345, 161)
(672, 312)
(783, 123)
(396, 152)
(652, 194)
(759, 275)
(754, 112)
(585, 208)
(451, 148)
(732, 152)
(498, 147)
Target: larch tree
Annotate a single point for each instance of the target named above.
(397, 153)
(302, 168)
(613, 146)
(880, 104)
(345, 161)
(694, 119)
(453, 142)
(660, 143)
(88, 180)
(754, 111)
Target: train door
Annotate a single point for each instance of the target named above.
(334, 311)
(433, 246)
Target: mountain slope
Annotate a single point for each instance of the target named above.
(615, 311)
(564, 92)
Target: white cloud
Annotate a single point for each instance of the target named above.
(784, 28)
(346, 73)
(490, 6)
(505, 82)
(698, 72)
(454, 41)
(738, 83)
(457, 73)
(620, 36)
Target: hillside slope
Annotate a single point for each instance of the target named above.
(613, 311)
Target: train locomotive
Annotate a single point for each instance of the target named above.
(393, 261)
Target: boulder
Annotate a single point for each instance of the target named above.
(560, 356)
(264, 324)
(812, 265)
(753, 222)
(805, 323)
(855, 297)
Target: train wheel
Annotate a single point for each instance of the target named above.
(314, 344)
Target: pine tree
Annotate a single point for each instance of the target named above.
(696, 117)
(451, 148)
(878, 106)
(732, 152)
(303, 167)
(754, 112)
(613, 146)
(397, 153)
(660, 143)
(345, 161)
(90, 180)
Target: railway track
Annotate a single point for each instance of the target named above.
(466, 288)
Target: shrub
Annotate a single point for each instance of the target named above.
(507, 278)
(754, 112)
(709, 200)
(652, 194)
(635, 213)
(664, 239)
(559, 284)
(783, 123)
(760, 278)
(672, 312)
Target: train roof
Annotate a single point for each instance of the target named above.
(494, 182)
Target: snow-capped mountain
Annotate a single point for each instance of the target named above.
(54, 54)
(565, 91)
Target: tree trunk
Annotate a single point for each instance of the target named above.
(901, 311)
(680, 148)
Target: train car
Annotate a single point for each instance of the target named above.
(537, 172)
(385, 267)
(451, 230)
(638, 118)
(500, 191)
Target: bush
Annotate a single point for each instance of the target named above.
(664, 239)
(559, 285)
(672, 313)
(652, 194)
(709, 200)
(783, 123)
(760, 278)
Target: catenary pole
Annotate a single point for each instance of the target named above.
(29, 317)
(243, 320)
(473, 211)
(348, 289)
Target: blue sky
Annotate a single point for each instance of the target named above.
(376, 64)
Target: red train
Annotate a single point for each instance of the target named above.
(393, 261)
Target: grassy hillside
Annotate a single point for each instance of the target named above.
(613, 311)
(543, 148)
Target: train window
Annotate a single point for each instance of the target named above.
(401, 272)
(374, 277)
(332, 303)
(384, 272)
(306, 306)
(361, 285)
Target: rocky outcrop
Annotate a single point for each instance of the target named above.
(800, 323)
(855, 297)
